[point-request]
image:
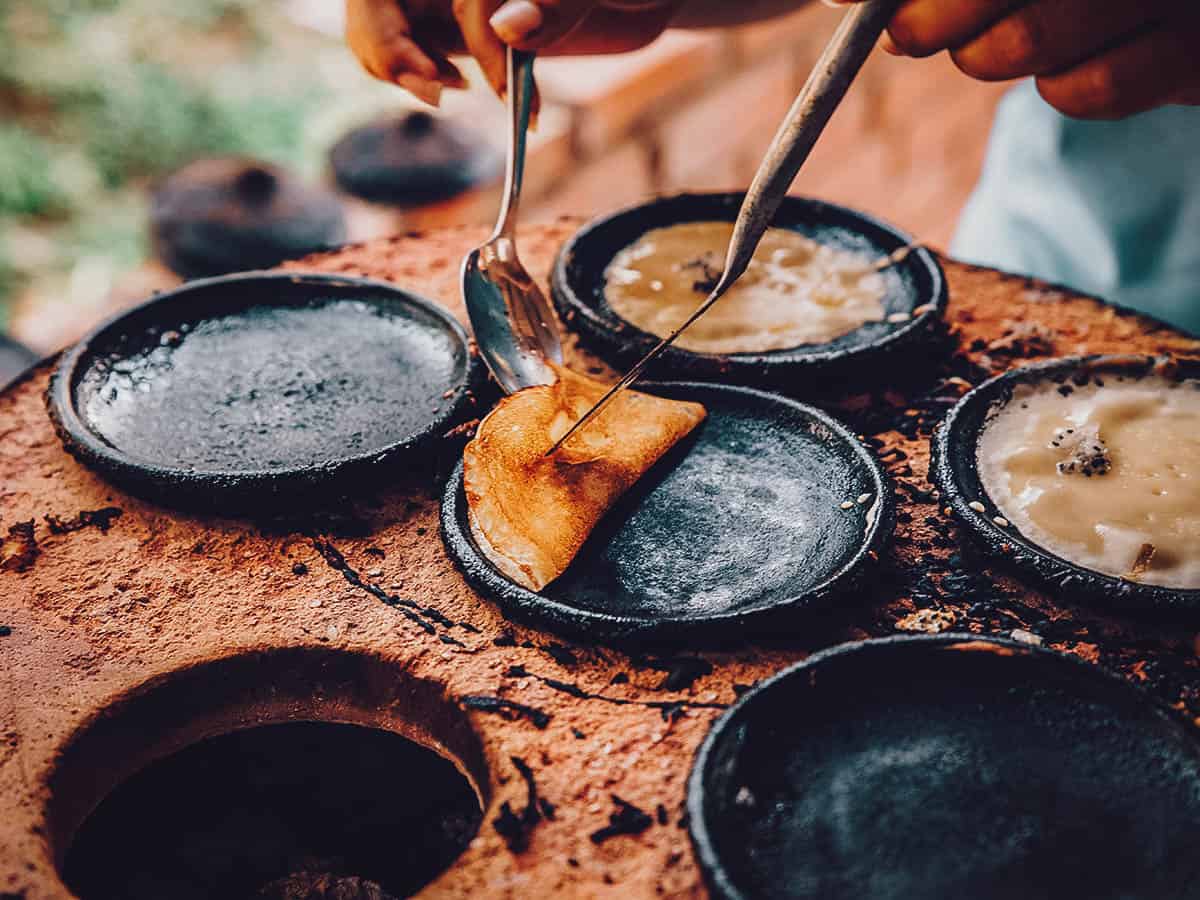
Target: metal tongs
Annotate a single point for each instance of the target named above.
(843, 57)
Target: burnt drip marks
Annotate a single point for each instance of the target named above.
(18, 549)
(427, 618)
(508, 709)
(297, 810)
(681, 672)
(85, 518)
(668, 709)
(517, 827)
(625, 819)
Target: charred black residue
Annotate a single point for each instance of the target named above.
(668, 709)
(516, 827)
(87, 518)
(509, 709)
(681, 671)
(709, 274)
(338, 562)
(626, 819)
(561, 654)
(19, 549)
(5, 630)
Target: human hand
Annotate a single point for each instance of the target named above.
(409, 41)
(1093, 59)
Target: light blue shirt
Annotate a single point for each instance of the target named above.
(1108, 208)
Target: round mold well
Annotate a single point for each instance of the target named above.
(263, 390)
(739, 529)
(917, 282)
(954, 469)
(285, 773)
(945, 766)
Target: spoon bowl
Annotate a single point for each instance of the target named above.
(514, 325)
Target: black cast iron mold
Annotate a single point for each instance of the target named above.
(403, 393)
(960, 766)
(633, 579)
(954, 469)
(577, 286)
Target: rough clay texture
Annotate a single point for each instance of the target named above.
(95, 607)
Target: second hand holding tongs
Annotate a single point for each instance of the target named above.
(843, 57)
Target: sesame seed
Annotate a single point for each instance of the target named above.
(863, 498)
(846, 504)
(977, 506)
(922, 309)
(1001, 521)
(899, 317)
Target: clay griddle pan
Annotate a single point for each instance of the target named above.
(261, 389)
(740, 528)
(577, 285)
(947, 766)
(954, 469)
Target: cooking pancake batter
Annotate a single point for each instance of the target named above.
(795, 291)
(1106, 477)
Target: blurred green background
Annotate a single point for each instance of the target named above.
(98, 98)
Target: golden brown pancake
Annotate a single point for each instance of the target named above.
(530, 513)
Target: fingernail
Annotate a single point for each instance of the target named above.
(516, 20)
(887, 45)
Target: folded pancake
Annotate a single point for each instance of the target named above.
(530, 513)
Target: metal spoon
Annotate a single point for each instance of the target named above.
(514, 326)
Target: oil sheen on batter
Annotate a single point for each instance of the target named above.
(1106, 477)
(796, 291)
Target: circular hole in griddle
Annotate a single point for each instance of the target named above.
(954, 468)
(740, 527)
(220, 778)
(947, 766)
(261, 388)
(917, 282)
(278, 812)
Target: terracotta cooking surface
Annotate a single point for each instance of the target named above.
(109, 603)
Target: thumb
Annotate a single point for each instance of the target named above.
(534, 24)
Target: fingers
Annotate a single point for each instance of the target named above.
(382, 37)
(481, 41)
(609, 29)
(379, 34)
(1146, 72)
(926, 27)
(536, 24)
(1046, 37)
